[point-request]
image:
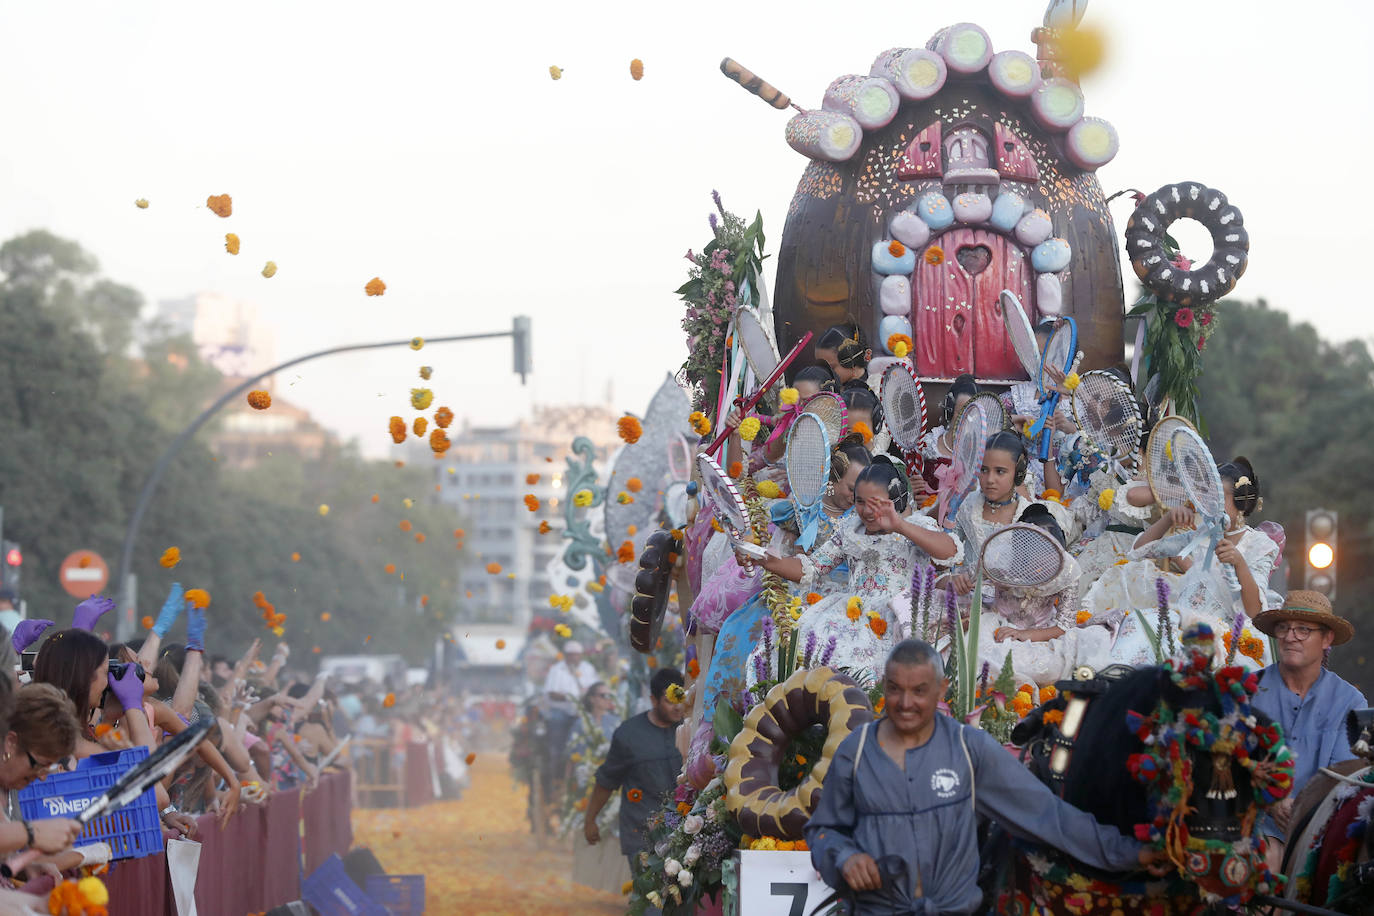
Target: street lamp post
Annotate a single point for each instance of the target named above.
(519, 333)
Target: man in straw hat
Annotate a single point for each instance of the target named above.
(1301, 694)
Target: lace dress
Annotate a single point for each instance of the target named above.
(972, 530)
(1211, 595)
(1053, 604)
(934, 455)
(1107, 535)
(881, 567)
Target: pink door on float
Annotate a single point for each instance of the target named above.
(956, 313)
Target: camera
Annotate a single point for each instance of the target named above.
(117, 670)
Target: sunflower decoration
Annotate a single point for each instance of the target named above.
(258, 399)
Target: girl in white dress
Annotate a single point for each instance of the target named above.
(882, 550)
(1235, 581)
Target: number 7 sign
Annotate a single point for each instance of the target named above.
(779, 884)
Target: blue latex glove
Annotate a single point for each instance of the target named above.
(90, 611)
(195, 629)
(171, 609)
(128, 690)
(28, 633)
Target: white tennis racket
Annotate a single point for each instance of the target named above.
(724, 495)
(1021, 556)
(808, 473)
(753, 340)
(1106, 411)
(1020, 333)
(830, 409)
(957, 478)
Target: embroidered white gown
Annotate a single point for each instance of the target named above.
(1211, 595)
(1099, 548)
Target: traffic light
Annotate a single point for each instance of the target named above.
(520, 340)
(10, 568)
(1320, 564)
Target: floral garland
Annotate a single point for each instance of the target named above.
(1175, 337)
(1167, 767)
(733, 256)
(687, 847)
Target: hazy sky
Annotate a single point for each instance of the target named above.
(426, 144)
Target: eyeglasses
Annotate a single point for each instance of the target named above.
(1296, 630)
(37, 766)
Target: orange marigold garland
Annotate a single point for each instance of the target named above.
(259, 399)
(629, 428)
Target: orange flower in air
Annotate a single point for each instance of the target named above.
(634, 796)
(147, 622)
(419, 537)
(626, 552)
(390, 700)
(459, 533)
(500, 643)
(199, 598)
(629, 429)
(376, 497)
(736, 469)
(419, 426)
(935, 255)
(494, 568)
(877, 624)
(694, 669)
(443, 417)
(375, 287)
(170, 557)
(863, 429)
(438, 441)
(389, 569)
(398, 432)
(531, 479)
(296, 557)
(424, 601)
(545, 527)
(220, 204)
(896, 248)
(636, 69)
(812, 597)
(1083, 617)
(259, 399)
(405, 524)
(531, 502)
(469, 759)
(326, 617)
(231, 243)
(634, 484)
(1047, 694)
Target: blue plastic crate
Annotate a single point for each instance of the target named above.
(330, 891)
(403, 895)
(133, 831)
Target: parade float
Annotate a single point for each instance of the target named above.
(949, 202)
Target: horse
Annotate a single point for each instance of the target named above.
(1330, 854)
(1172, 754)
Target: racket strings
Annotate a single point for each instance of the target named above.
(1108, 415)
(904, 413)
(1021, 556)
(830, 410)
(758, 349)
(1198, 473)
(808, 461)
(1161, 473)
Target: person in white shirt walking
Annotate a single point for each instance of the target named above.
(564, 686)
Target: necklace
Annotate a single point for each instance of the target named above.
(1000, 505)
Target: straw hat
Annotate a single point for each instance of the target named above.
(1309, 607)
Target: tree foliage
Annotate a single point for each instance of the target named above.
(1302, 409)
(83, 419)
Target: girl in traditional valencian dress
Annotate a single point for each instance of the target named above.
(1236, 580)
(882, 550)
(938, 442)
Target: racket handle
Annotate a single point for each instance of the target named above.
(757, 396)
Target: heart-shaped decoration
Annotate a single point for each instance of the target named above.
(974, 258)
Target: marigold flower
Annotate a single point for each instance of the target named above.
(813, 597)
(375, 287)
(1022, 703)
(443, 417)
(749, 428)
(854, 607)
(500, 643)
(459, 533)
(407, 502)
(420, 398)
(494, 568)
(377, 497)
(170, 557)
(545, 527)
(419, 425)
(231, 243)
(469, 759)
(269, 270)
(426, 372)
(736, 469)
(1047, 694)
(877, 624)
(626, 552)
(896, 248)
(1072, 381)
(634, 796)
(879, 706)
(1053, 716)
(103, 728)
(634, 484)
(582, 498)
(632, 530)
(199, 598)
(326, 617)
(531, 502)
(1083, 617)
(624, 498)
(629, 428)
(557, 74)
(1106, 498)
(935, 255)
(675, 693)
(438, 441)
(895, 341)
(141, 203)
(769, 490)
(863, 429)
(389, 569)
(295, 556)
(693, 669)
(531, 479)
(636, 69)
(405, 525)
(259, 399)
(417, 343)
(390, 700)
(563, 630)
(701, 424)
(220, 204)
(147, 622)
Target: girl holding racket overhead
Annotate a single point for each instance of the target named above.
(881, 547)
(937, 445)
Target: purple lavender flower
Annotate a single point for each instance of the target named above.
(767, 638)
(809, 648)
(951, 611)
(1162, 591)
(1165, 628)
(1237, 624)
(712, 220)
(829, 652)
(983, 678)
(760, 672)
(715, 196)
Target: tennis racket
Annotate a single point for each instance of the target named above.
(724, 495)
(808, 473)
(1108, 415)
(140, 778)
(830, 409)
(904, 411)
(753, 340)
(956, 478)
(747, 404)
(992, 409)
(1160, 471)
(1020, 333)
(1059, 354)
(1021, 556)
(1197, 471)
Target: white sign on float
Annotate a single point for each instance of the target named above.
(779, 884)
